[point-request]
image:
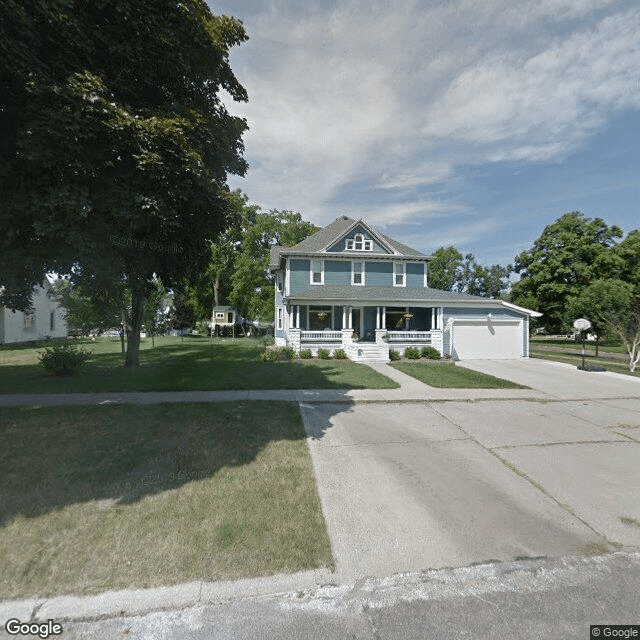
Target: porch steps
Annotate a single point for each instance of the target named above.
(368, 352)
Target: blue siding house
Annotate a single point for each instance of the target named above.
(348, 286)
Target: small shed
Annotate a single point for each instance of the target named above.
(225, 316)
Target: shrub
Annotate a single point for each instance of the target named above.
(430, 352)
(305, 354)
(63, 359)
(324, 354)
(288, 353)
(394, 355)
(272, 354)
(413, 353)
(339, 354)
(268, 341)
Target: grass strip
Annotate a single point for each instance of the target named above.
(450, 376)
(111, 497)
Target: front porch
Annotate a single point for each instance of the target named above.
(364, 333)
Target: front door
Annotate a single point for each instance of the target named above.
(369, 324)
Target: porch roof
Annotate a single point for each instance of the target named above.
(391, 296)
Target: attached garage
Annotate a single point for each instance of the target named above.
(487, 339)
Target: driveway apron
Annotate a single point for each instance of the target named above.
(404, 488)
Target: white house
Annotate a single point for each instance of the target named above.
(348, 286)
(45, 319)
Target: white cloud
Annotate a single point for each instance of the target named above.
(375, 108)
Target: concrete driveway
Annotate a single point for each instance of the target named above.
(413, 486)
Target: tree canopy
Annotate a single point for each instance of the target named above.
(237, 270)
(451, 271)
(116, 144)
(570, 254)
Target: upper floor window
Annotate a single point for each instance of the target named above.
(317, 272)
(357, 273)
(399, 274)
(358, 243)
(279, 318)
(52, 321)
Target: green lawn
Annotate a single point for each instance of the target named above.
(98, 498)
(177, 364)
(612, 357)
(450, 376)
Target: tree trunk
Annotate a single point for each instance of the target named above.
(132, 357)
(216, 291)
(123, 328)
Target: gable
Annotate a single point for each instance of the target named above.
(359, 236)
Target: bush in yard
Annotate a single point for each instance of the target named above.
(394, 355)
(63, 359)
(413, 353)
(430, 352)
(289, 353)
(268, 341)
(324, 354)
(272, 354)
(305, 354)
(339, 354)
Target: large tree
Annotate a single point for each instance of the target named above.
(252, 286)
(451, 271)
(569, 255)
(115, 145)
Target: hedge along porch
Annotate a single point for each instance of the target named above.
(348, 286)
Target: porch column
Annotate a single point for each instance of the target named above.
(406, 320)
(377, 317)
(297, 316)
(384, 317)
(350, 318)
(344, 318)
(433, 318)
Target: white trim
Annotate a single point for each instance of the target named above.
(529, 312)
(287, 277)
(425, 285)
(311, 271)
(362, 273)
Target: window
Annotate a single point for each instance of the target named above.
(358, 243)
(317, 274)
(29, 319)
(52, 321)
(279, 282)
(357, 273)
(320, 318)
(399, 271)
(279, 318)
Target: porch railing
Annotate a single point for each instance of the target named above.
(316, 336)
(409, 336)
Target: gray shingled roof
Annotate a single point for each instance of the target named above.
(396, 294)
(330, 234)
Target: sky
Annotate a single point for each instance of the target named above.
(472, 123)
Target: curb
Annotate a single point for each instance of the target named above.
(133, 602)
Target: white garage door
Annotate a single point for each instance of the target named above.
(497, 340)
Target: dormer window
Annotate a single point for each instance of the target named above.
(358, 243)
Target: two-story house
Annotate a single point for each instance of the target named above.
(348, 286)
